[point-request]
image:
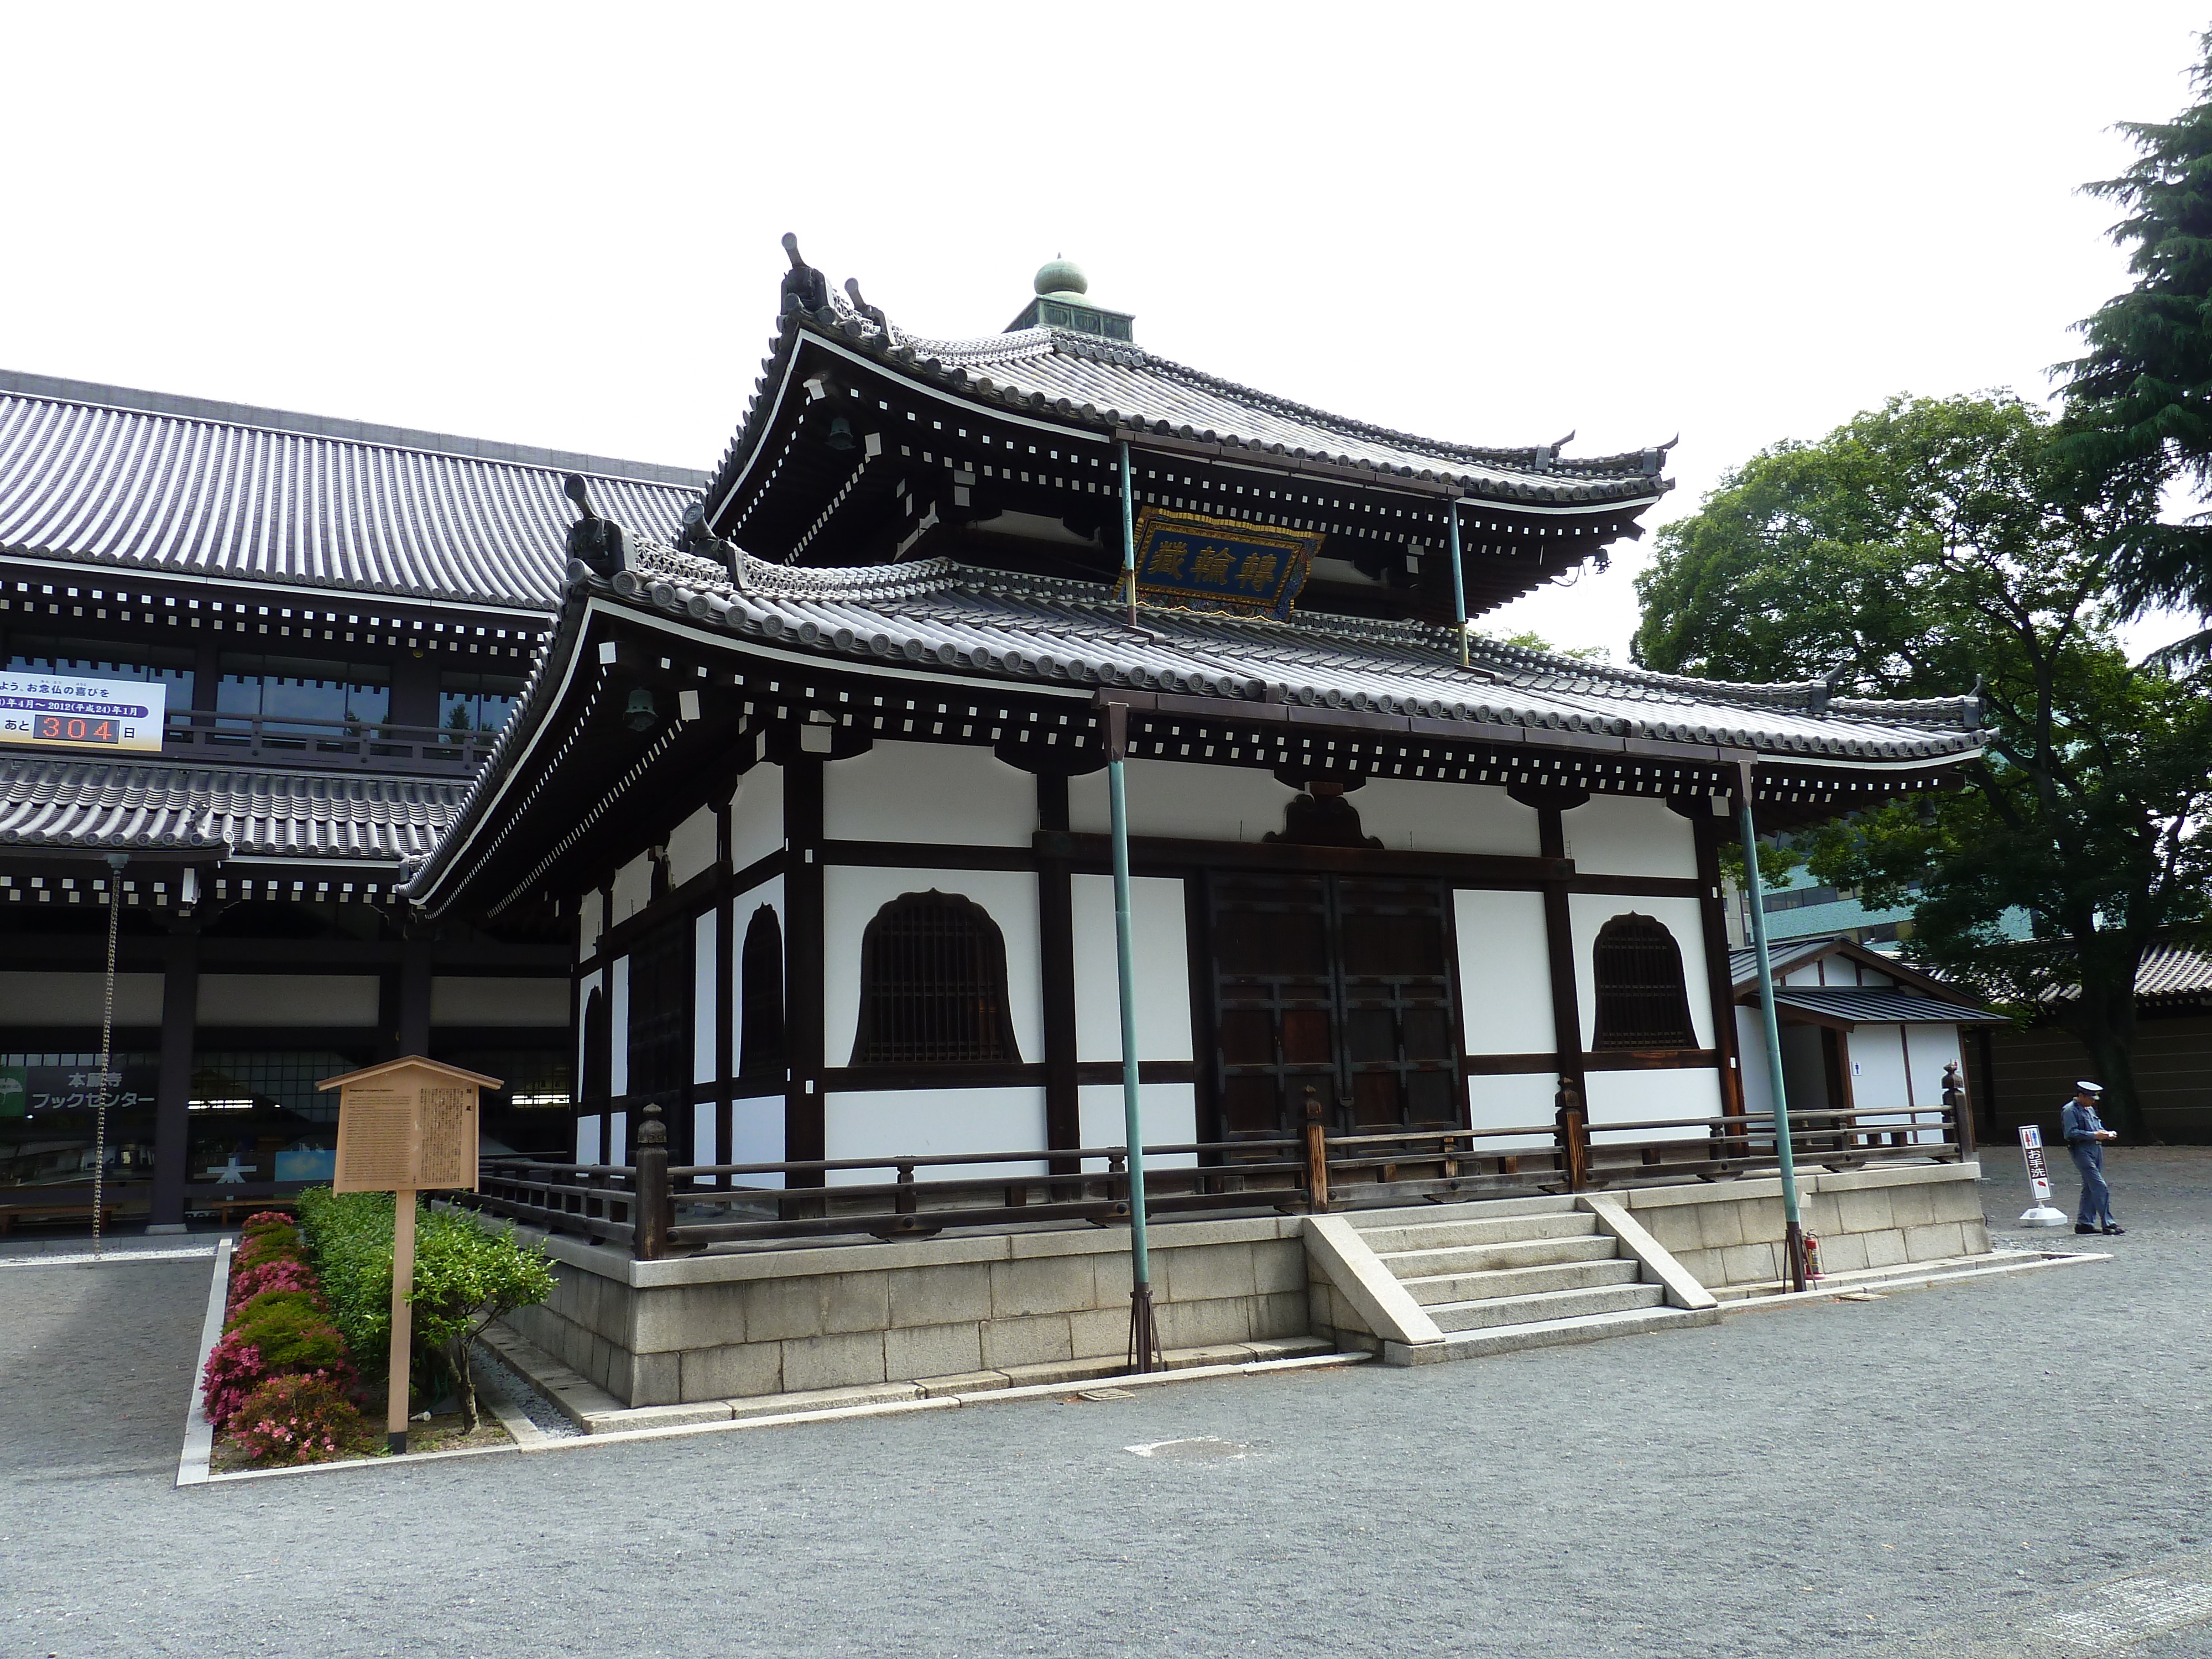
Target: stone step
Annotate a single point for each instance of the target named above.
(1437, 1289)
(1550, 1332)
(1546, 1306)
(1443, 1231)
(1488, 1258)
(1477, 1209)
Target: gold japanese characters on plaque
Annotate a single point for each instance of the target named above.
(1221, 564)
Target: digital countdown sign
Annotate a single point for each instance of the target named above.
(70, 711)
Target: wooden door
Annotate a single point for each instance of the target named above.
(1337, 986)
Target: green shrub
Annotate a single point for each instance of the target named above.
(271, 1244)
(292, 1331)
(467, 1274)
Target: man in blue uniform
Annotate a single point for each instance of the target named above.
(2086, 1135)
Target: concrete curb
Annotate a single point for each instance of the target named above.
(547, 1445)
(1937, 1273)
(199, 1433)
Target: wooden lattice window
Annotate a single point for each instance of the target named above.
(932, 985)
(760, 982)
(661, 994)
(598, 1063)
(1641, 1002)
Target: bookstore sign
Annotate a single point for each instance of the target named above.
(70, 711)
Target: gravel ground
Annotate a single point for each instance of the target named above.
(1954, 1473)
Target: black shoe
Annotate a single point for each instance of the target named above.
(2084, 1229)
(2112, 1229)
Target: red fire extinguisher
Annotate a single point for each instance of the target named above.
(1813, 1258)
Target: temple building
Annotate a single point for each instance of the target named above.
(314, 630)
(814, 783)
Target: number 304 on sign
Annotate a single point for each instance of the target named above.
(68, 711)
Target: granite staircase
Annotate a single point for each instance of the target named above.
(1460, 1281)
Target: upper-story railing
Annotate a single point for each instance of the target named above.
(358, 745)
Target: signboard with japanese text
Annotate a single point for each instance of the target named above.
(70, 711)
(37, 1090)
(1221, 564)
(2039, 1174)
(407, 1126)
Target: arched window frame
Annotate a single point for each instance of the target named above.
(911, 1018)
(1643, 1000)
(598, 1079)
(762, 1056)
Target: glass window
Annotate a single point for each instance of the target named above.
(470, 701)
(107, 660)
(322, 696)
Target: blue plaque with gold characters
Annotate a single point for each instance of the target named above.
(1221, 564)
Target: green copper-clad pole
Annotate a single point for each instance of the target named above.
(1784, 1154)
(1128, 532)
(1142, 1342)
(1459, 587)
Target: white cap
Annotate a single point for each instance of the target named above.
(2089, 1088)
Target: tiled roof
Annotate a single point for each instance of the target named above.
(1106, 385)
(1872, 1005)
(999, 625)
(2172, 973)
(103, 476)
(70, 804)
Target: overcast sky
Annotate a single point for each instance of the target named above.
(1492, 223)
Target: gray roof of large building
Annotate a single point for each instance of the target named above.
(1869, 1004)
(1003, 626)
(49, 801)
(181, 486)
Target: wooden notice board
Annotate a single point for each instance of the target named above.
(408, 1126)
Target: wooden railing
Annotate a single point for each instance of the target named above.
(361, 744)
(652, 1207)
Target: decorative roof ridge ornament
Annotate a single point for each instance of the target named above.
(600, 544)
(804, 287)
(874, 313)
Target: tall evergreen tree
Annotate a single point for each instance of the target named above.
(2139, 401)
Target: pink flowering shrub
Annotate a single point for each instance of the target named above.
(235, 1370)
(304, 1418)
(278, 1275)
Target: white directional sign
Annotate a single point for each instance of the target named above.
(2039, 1175)
(70, 711)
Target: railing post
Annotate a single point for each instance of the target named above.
(649, 1213)
(1573, 1131)
(903, 1204)
(1959, 1109)
(1317, 1154)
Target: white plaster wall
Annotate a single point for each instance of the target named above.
(1933, 1047)
(618, 1137)
(1588, 912)
(1648, 1097)
(691, 847)
(286, 999)
(756, 816)
(1868, 977)
(1808, 975)
(475, 1000)
(704, 956)
(704, 1149)
(926, 792)
(770, 893)
(851, 897)
(588, 1137)
(591, 922)
(1446, 817)
(1171, 1117)
(44, 998)
(1197, 803)
(1504, 987)
(1626, 835)
(1163, 965)
(1878, 1068)
(1521, 1100)
(633, 889)
(1751, 1044)
(930, 1121)
(618, 1026)
(757, 1137)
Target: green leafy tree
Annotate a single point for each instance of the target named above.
(1928, 546)
(2139, 399)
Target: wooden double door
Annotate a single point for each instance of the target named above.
(1337, 986)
